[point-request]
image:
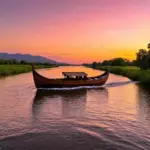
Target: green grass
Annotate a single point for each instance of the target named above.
(134, 73)
(7, 70)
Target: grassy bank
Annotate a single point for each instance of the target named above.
(134, 73)
(7, 70)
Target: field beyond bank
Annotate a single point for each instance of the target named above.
(134, 73)
(7, 70)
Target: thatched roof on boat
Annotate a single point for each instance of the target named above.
(76, 74)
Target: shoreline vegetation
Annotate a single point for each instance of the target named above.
(15, 69)
(136, 70)
(133, 73)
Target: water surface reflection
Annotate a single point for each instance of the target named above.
(143, 104)
(115, 117)
(66, 104)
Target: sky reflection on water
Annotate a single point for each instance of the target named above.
(113, 116)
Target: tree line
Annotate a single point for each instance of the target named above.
(22, 62)
(142, 60)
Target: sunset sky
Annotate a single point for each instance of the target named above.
(75, 31)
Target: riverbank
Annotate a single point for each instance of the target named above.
(7, 70)
(134, 73)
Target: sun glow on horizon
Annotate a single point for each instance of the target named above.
(77, 31)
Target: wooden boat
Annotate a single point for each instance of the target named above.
(71, 79)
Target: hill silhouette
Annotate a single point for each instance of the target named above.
(28, 58)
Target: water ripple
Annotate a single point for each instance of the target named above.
(115, 116)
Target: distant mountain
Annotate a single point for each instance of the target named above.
(27, 58)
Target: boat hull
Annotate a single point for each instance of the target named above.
(43, 82)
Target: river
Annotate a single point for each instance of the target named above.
(113, 117)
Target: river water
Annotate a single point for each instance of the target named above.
(113, 117)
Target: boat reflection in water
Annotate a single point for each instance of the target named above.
(65, 103)
(59, 104)
(73, 103)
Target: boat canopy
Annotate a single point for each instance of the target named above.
(74, 74)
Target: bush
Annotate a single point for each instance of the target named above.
(133, 73)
